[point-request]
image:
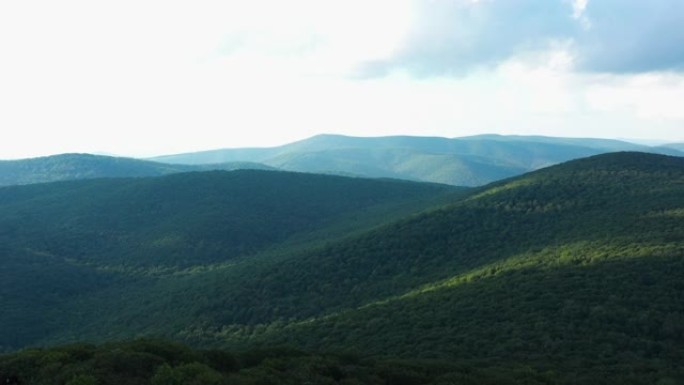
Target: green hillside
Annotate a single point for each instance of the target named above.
(467, 161)
(86, 166)
(577, 268)
(570, 274)
(70, 240)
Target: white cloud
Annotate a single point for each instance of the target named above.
(655, 96)
(578, 8)
(125, 71)
(579, 13)
(537, 88)
(150, 77)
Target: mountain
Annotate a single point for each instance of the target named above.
(86, 166)
(575, 266)
(675, 146)
(569, 274)
(607, 145)
(467, 161)
(66, 241)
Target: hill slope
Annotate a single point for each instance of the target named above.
(574, 270)
(467, 161)
(70, 239)
(575, 266)
(675, 146)
(86, 166)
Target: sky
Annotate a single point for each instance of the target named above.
(151, 77)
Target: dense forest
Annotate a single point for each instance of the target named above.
(65, 243)
(160, 362)
(570, 274)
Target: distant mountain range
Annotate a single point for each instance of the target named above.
(87, 166)
(676, 146)
(467, 161)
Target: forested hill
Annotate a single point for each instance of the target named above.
(191, 218)
(570, 274)
(464, 161)
(577, 269)
(85, 166)
(69, 240)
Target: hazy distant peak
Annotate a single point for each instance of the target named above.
(469, 161)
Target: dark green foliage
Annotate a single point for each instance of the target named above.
(188, 218)
(220, 360)
(187, 374)
(578, 266)
(577, 269)
(571, 274)
(133, 362)
(124, 363)
(65, 242)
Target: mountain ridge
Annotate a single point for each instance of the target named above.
(466, 161)
(481, 159)
(74, 166)
(573, 269)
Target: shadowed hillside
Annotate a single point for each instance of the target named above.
(70, 239)
(574, 272)
(159, 362)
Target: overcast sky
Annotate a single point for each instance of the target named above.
(143, 78)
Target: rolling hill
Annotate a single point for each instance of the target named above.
(675, 146)
(572, 272)
(85, 166)
(466, 161)
(575, 266)
(77, 238)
